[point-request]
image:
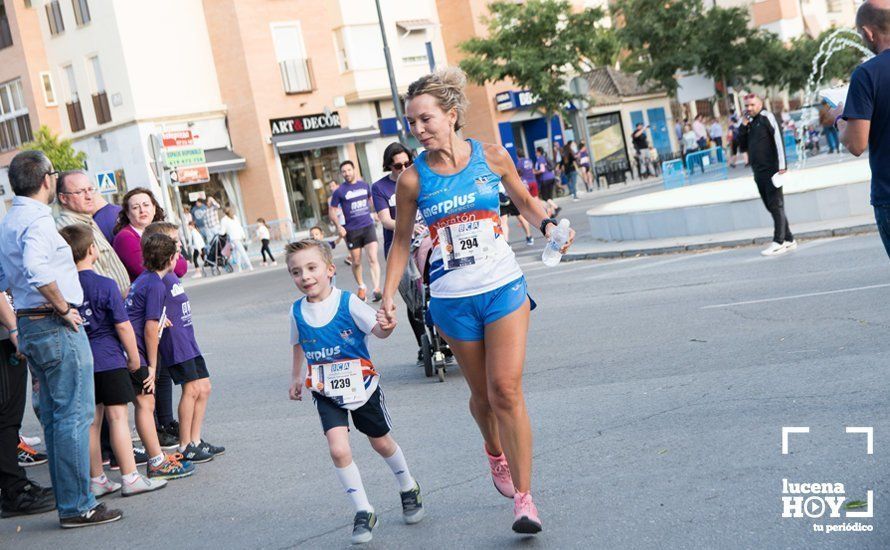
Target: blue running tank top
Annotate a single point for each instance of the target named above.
(339, 340)
(449, 204)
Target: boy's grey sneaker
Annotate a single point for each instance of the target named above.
(362, 526)
(193, 453)
(102, 489)
(412, 505)
(97, 516)
(212, 449)
(142, 485)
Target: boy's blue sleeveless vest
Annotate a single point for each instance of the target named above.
(339, 340)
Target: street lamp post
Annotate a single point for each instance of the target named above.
(403, 136)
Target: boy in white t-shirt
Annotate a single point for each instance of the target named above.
(329, 329)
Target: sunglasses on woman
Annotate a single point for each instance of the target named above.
(400, 165)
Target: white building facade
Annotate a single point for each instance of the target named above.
(124, 70)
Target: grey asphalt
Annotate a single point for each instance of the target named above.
(657, 388)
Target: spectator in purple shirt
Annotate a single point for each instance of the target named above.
(353, 199)
(396, 158)
(105, 215)
(140, 209)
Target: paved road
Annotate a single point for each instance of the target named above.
(657, 386)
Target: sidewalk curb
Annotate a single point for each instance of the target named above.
(735, 243)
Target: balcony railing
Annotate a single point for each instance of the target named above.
(101, 108)
(296, 75)
(75, 116)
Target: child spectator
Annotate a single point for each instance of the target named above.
(182, 358)
(111, 335)
(330, 328)
(265, 237)
(145, 307)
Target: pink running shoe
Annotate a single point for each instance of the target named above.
(527, 521)
(500, 474)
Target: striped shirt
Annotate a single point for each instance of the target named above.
(108, 264)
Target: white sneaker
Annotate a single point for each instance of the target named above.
(773, 249)
(102, 489)
(142, 485)
(789, 245)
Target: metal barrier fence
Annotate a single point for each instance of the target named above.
(674, 173)
(710, 163)
(697, 167)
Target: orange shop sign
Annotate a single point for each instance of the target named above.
(187, 175)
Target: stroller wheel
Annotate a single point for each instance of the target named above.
(427, 352)
(441, 373)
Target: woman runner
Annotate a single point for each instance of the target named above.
(479, 299)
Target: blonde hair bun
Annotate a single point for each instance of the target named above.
(447, 87)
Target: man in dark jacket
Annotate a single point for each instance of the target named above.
(761, 135)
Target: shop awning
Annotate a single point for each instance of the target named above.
(306, 141)
(223, 160)
(414, 24)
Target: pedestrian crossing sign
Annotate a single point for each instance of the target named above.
(107, 182)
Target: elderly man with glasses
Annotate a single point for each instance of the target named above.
(77, 205)
(37, 265)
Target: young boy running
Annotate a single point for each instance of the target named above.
(108, 328)
(329, 328)
(145, 304)
(180, 354)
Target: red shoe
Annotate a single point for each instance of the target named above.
(500, 474)
(362, 294)
(527, 521)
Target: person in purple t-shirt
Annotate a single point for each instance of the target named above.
(113, 345)
(396, 158)
(106, 215)
(182, 360)
(145, 307)
(544, 172)
(353, 198)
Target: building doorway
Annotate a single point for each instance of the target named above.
(307, 174)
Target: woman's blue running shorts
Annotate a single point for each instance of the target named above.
(465, 318)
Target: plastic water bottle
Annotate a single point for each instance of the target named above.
(558, 238)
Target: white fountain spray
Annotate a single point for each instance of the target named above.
(829, 46)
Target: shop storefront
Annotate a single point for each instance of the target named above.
(310, 149)
(526, 129)
(221, 182)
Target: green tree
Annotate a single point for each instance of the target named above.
(59, 151)
(724, 46)
(660, 37)
(664, 38)
(539, 45)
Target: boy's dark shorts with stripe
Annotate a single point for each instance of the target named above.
(372, 418)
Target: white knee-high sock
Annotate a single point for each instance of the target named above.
(399, 467)
(351, 480)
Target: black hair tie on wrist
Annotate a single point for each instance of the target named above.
(544, 223)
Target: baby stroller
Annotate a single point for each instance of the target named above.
(414, 289)
(217, 257)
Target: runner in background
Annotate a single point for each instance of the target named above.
(544, 171)
(353, 199)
